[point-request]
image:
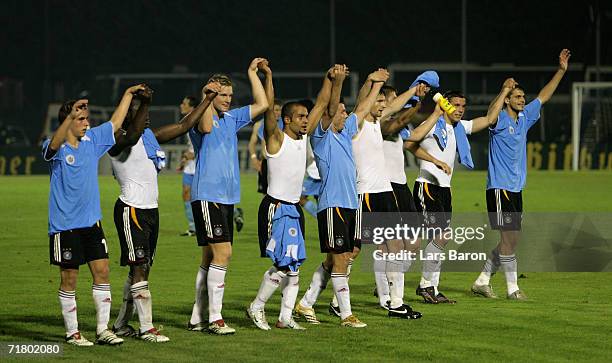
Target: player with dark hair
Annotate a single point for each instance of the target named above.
(75, 231)
(215, 190)
(506, 178)
(258, 159)
(187, 166)
(281, 219)
(137, 158)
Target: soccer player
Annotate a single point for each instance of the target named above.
(312, 182)
(506, 178)
(281, 220)
(259, 159)
(137, 158)
(432, 188)
(75, 231)
(188, 168)
(338, 203)
(215, 190)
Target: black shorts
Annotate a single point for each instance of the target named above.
(137, 230)
(76, 247)
(337, 229)
(505, 209)
(383, 202)
(267, 208)
(214, 222)
(262, 177)
(435, 202)
(403, 195)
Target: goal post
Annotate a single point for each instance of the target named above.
(591, 106)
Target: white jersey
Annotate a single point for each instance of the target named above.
(286, 170)
(370, 160)
(311, 170)
(429, 173)
(394, 160)
(190, 167)
(137, 177)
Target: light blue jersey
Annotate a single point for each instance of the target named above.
(74, 198)
(217, 175)
(508, 149)
(334, 157)
(404, 133)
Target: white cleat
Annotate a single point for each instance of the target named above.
(78, 340)
(220, 328)
(351, 321)
(291, 324)
(107, 337)
(258, 317)
(153, 335)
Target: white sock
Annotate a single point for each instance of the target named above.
(509, 266)
(342, 293)
(127, 305)
(435, 281)
(270, 282)
(396, 283)
(69, 311)
(200, 304)
(102, 299)
(142, 301)
(382, 283)
(216, 286)
(290, 291)
(432, 264)
(489, 268)
(334, 301)
(320, 278)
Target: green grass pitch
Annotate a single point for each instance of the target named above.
(568, 316)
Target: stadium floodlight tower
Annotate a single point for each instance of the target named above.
(592, 103)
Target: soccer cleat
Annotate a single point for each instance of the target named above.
(484, 290)
(78, 340)
(238, 218)
(404, 312)
(351, 321)
(307, 313)
(107, 337)
(386, 306)
(517, 295)
(428, 294)
(334, 310)
(375, 292)
(291, 324)
(258, 317)
(125, 331)
(196, 327)
(220, 328)
(153, 335)
(444, 300)
(187, 234)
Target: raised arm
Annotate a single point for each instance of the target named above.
(273, 136)
(398, 103)
(130, 136)
(420, 153)
(339, 74)
(495, 107)
(377, 79)
(548, 90)
(169, 132)
(314, 116)
(79, 109)
(423, 129)
(393, 125)
(259, 95)
(124, 105)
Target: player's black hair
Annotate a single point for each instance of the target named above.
(454, 93)
(307, 103)
(65, 109)
(387, 90)
(289, 108)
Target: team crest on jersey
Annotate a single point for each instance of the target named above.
(340, 241)
(67, 255)
(140, 253)
(292, 232)
(70, 159)
(218, 231)
(511, 130)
